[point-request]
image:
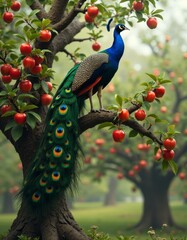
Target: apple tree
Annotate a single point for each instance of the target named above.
(136, 158)
(33, 33)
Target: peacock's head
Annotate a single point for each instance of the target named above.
(120, 27)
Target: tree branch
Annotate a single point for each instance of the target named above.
(61, 25)
(57, 10)
(94, 118)
(42, 13)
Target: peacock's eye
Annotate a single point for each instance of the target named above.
(59, 132)
(56, 176)
(68, 123)
(36, 197)
(52, 122)
(63, 109)
(65, 165)
(68, 90)
(57, 151)
(57, 97)
(43, 182)
(68, 157)
(52, 164)
(49, 189)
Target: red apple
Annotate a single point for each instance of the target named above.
(112, 150)
(15, 73)
(15, 6)
(88, 18)
(38, 59)
(46, 99)
(138, 5)
(96, 46)
(99, 141)
(36, 69)
(182, 175)
(118, 135)
(6, 108)
(152, 22)
(50, 86)
(169, 143)
(142, 163)
(140, 114)
(45, 35)
(131, 173)
(6, 78)
(8, 17)
(150, 97)
(5, 69)
(159, 91)
(168, 154)
(92, 11)
(25, 86)
(120, 175)
(25, 49)
(123, 115)
(20, 118)
(28, 62)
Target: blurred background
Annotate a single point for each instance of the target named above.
(122, 185)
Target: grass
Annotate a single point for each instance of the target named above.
(114, 220)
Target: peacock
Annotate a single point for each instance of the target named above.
(53, 169)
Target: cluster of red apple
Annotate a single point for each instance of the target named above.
(31, 63)
(151, 21)
(9, 16)
(90, 15)
(138, 167)
(140, 114)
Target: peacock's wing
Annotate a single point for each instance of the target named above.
(89, 71)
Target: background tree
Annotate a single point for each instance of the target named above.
(137, 161)
(44, 30)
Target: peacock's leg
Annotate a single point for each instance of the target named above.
(99, 95)
(90, 98)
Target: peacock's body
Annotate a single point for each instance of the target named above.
(53, 168)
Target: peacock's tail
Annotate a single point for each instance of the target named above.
(53, 168)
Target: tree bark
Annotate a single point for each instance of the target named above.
(7, 205)
(110, 198)
(58, 224)
(156, 210)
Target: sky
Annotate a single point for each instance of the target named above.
(176, 10)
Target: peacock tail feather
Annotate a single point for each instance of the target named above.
(53, 168)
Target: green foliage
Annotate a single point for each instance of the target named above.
(22, 237)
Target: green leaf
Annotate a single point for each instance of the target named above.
(152, 76)
(17, 132)
(10, 125)
(146, 105)
(105, 124)
(165, 165)
(171, 129)
(28, 107)
(133, 133)
(9, 113)
(35, 115)
(119, 100)
(165, 81)
(173, 166)
(45, 87)
(26, 95)
(31, 121)
(113, 107)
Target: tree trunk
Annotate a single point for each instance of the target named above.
(7, 204)
(110, 198)
(156, 209)
(58, 224)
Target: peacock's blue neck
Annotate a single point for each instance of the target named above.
(117, 48)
